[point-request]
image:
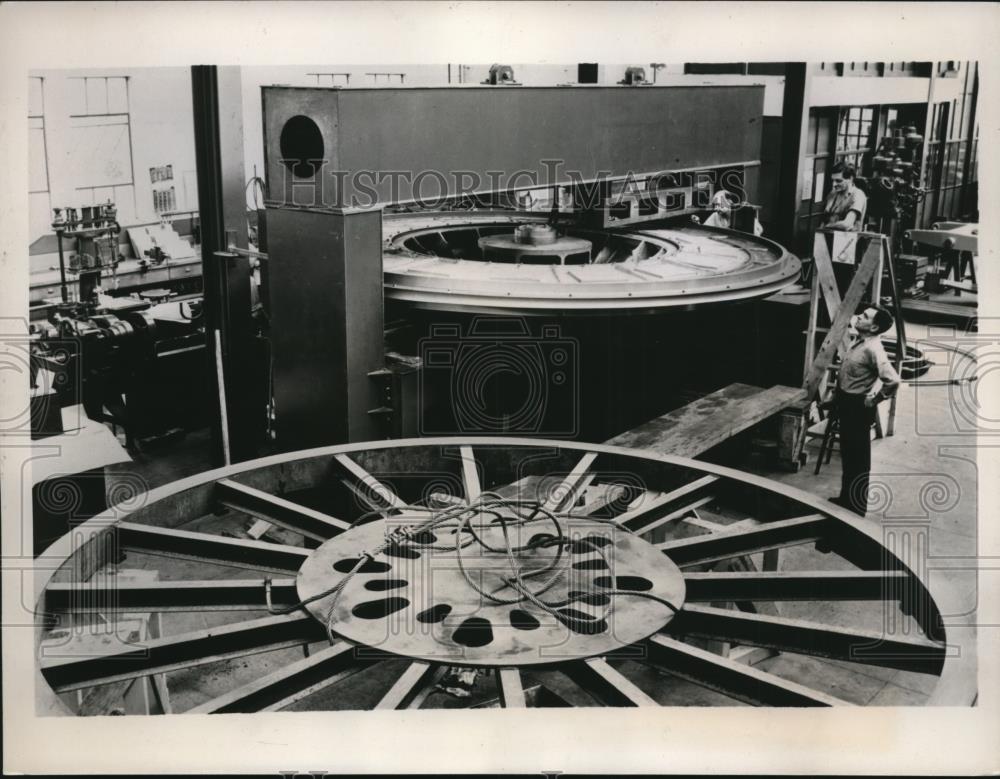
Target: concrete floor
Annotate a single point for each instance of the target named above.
(925, 479)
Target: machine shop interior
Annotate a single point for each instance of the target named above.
(378, 387)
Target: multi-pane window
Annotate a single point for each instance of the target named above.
(39, 197)
(952, 152)
(38, 163)
(854, 136)
(101, 153)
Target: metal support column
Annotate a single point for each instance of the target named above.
(218, 131)
(327, 324)
(794, 138)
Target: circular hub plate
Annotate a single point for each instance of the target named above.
(413, 599)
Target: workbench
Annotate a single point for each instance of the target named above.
(132, 275)
(692, 430)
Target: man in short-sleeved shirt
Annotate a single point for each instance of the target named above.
(863, 365)
(846, 205)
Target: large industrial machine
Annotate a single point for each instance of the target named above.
(556, 224)
(553, 284)
(127, 357)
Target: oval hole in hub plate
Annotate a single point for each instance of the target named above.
(424, 537)
(370, 566)
(381, 585)
(591, 564)
(395, 550)
(522, 620)
(434, 613)
(379, 609)
(637, 583)
(588, 544)
(474, 632)
(582, 623)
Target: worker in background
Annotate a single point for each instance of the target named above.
(864, 364)
(845, 206)
(722, 212)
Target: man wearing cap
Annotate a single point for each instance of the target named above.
(864, 364)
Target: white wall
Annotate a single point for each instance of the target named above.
(162, 133)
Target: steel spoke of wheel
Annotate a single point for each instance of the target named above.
(256, 555)
(278, 511)
(566, 493)
(328, 666)
(470, 474)
(606, 684)
(368, 486)
(428, 689)
(656, 506)
(181, 651)
(209, 595)
(408, 686)
(723, 546)
(739, 681)
(794, 585)
(810, 638)
(511, 688)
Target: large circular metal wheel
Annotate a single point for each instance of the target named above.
(436, 261)
(477, 572)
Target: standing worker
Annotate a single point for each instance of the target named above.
(845, 206)
(856, 400)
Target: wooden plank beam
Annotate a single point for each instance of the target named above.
(278, 511)
(160, 596)
(810, 638)
(606, 684)
(566, 492)
(722, 546)
(242, 553)
(697, 427)
(470, 474)
(793, 585)
(511, 688)
(371, 485)
(407, 686)
(655, 505)
(286, 685)
(731, 677)
(181, 651)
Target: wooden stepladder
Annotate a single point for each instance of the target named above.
(869, 252)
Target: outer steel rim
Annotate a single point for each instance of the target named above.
(949, 653)
(688, 266)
